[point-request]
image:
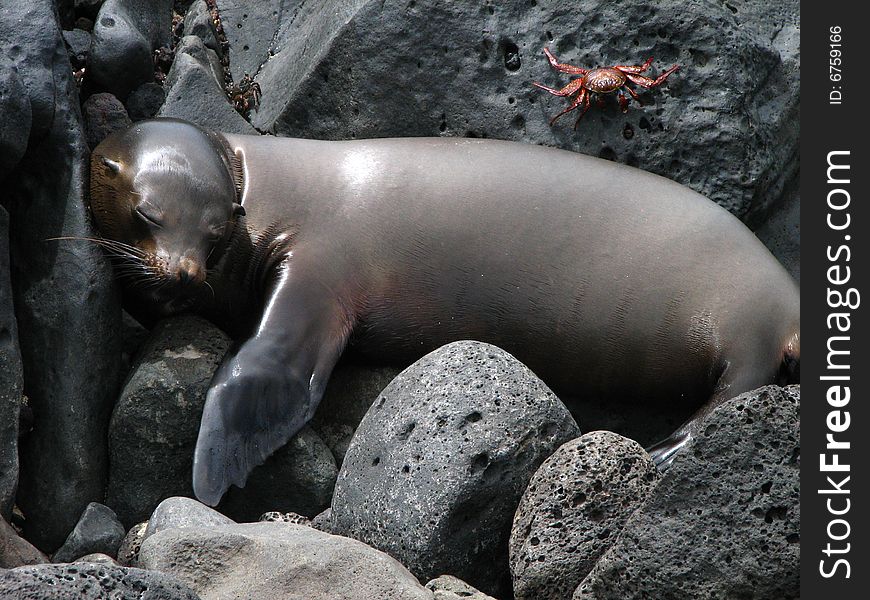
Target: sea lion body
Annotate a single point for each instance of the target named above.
(609, 282)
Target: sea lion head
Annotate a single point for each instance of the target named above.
(165, 195)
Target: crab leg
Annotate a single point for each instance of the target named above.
(581, 97)
(564, 68)
(585, 107)
(623, 102)
(648, 82)
(568, 90)
(635, 69)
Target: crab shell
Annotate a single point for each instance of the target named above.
(604, 80)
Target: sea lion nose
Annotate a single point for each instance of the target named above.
(189, 272)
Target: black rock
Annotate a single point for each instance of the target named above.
(90, 582)
(145, 101)
(11, 379)
(725, 124)
(573, 509)
(103, 114)
(437, 467)
(64, 292)
(79, 44)
(98, 530)
(198, 22)
(126, 33)
(195, 91)
(156, 420)
(724, 522)
(15, 115)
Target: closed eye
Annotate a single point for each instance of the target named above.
(147, 218)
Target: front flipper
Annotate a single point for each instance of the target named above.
(266, 392)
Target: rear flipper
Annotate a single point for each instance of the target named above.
(733, 382)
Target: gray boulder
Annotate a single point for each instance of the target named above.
(98, 530)
(179, 511)
(437, 467)
(11, 378)
(195, 91)
(156, 422)
(79, 43)
(448, 587)
(98, 558)
(145, 101)
(725, 124)
(90, 581)
(264, 561)
(198, 22)
(575, 506)
(126, 33)
(724, 522)
(64, 291)
(128, 553)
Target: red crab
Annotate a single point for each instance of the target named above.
(603, 80)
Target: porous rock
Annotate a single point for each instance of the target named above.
(573, 509)
(64, 291)
(155, 424)
(263, 561)
(448, 587)
(103, 114)
(98, 530)
(289, 517)
(323, 521)
(11, 378)
(781, 233)
(128, 553)
(436, 469)
(724, 522)
(351, 390)
(195, 91)
(15, 551)
(179, 511)
(725, 124)
(126, 32)
(90, 581)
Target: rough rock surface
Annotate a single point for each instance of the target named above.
(724, 522)
(156, 422)
(79, 44)
(352, 389)
(279, 517)
(98, 558)
(573, 509)
(195, 91)
(436, 469)
(64, 291)
(90, 582)
(128, 553)
(15, 115)
(145, 101)
(198, 22)
(103, 114)
(179, 511)
(264, 561)
(781, 233)
(98, 530)
(126, 32)
(15, 551)
(11, 378)
(448, 587)
(725, 124)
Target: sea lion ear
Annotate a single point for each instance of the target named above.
(112, 166)
(238, 210)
